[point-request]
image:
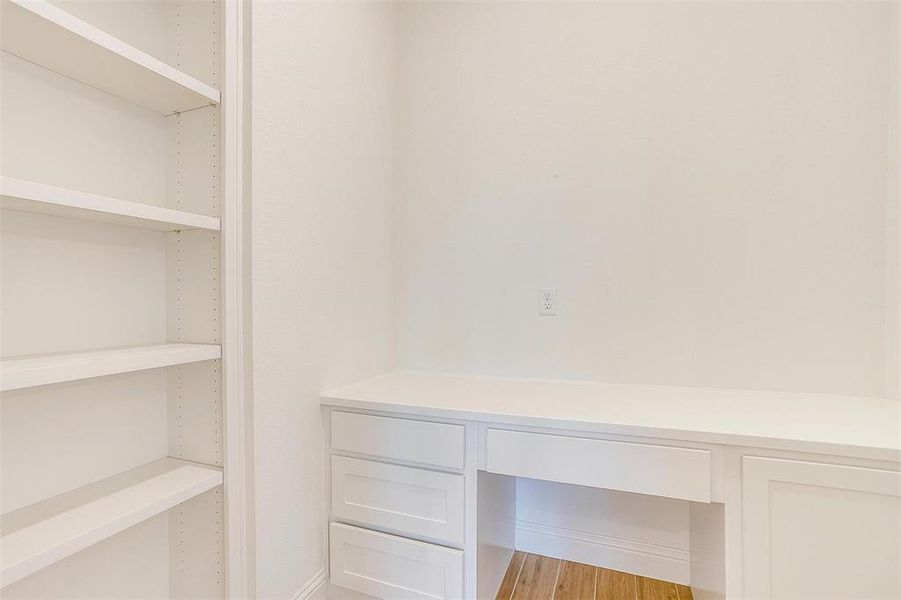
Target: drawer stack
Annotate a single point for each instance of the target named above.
(397, 506)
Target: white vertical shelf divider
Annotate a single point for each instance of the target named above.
(233, 237)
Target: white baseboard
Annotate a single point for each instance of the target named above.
(640, 558)
(316, 588)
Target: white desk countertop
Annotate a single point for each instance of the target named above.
(842, 425)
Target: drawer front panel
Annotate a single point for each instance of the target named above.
(439, 444)
(412, 501)
(391, 567)
(682, 473)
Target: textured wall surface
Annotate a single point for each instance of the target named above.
(323, 270)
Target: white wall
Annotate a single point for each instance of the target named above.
(626, 532)
(703, 183)
(323, 272)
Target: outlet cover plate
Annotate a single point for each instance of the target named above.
(547, 302)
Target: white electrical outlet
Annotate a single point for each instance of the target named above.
(547, 301)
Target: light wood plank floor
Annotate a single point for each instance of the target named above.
(534, 577)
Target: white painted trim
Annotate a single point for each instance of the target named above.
(313, 587)
(630, 556)
(235, 467)
(893, 229)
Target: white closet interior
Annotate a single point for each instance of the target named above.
(113, 413)
(710, 187)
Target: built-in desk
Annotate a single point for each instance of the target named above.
(792, 495)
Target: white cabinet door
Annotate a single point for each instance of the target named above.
(820, 531)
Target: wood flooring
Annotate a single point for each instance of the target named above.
(534, 577)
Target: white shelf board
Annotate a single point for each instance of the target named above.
(47, 35)
(30, 371)
(39, 535)
(27, 196)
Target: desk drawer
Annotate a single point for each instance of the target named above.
(394, 568)
(682, 473)
(411, 501)
(438, 444)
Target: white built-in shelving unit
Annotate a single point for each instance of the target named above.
(119, 171)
